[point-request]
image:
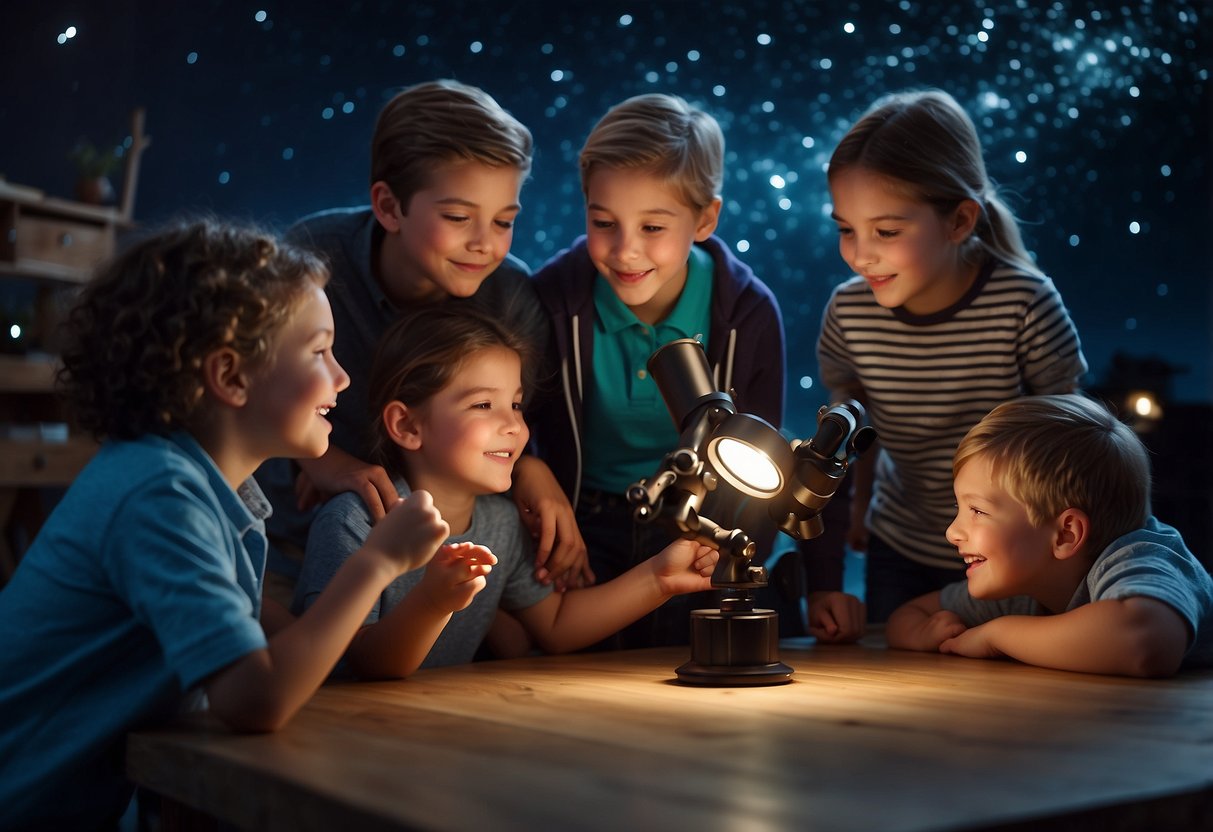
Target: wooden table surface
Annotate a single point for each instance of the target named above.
(863, 738)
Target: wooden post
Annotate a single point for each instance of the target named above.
(130, 177)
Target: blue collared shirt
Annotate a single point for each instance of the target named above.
(144, 581)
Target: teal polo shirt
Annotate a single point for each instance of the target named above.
(627, 426)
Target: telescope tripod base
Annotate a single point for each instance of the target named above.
(734, 647)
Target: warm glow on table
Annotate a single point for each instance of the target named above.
(863, 739)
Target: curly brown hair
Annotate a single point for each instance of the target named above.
(137, 336)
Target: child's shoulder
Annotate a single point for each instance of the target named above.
(318, 230)
(143, 459)
(575, 259)
(144, 476)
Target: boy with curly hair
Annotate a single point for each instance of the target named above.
(196, 355)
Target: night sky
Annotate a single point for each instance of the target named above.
(1095, 118)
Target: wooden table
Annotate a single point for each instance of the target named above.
(863, 738)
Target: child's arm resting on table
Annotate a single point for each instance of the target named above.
(581, 617)
(1134, 636)
(262, 690)
(922, 624)
(396, 645)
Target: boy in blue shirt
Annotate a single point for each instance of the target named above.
(196, 355)
(1066, 568)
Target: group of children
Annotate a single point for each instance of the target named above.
(206, 353)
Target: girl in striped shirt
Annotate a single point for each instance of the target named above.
(946, 317)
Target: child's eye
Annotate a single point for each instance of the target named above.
(517, 405)
(885, 234)
(652, 229)
(454, 218)
(976, 511)
(482, 406)
(603, 224)
(844, 232)
(506, 224)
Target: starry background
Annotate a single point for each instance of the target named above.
(1095, 119)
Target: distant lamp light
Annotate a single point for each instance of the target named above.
(1144, 410)
(14, 331)
(1145, 405)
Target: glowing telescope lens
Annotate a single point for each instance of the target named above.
(747, 467)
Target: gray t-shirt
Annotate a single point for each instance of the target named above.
(1153, 562)
(343, 525)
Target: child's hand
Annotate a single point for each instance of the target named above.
(560, 553)
(456, 574)
(975, 643)
(685, 566)
(835, 617)
(410, 533)
(934, 630)
(338, 471)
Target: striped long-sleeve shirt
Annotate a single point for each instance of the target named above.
(928, 379)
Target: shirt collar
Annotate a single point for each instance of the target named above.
(245, 508)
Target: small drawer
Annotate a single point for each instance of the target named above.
(60, 242)
(34, 463)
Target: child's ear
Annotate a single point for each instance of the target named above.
(224, 377)
(709, 217)
(402, 425)
(387, 208)
(964, 220)
(1071, 530)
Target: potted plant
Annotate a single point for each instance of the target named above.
(93, 167)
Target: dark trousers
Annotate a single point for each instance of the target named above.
(892, 579)
(616, 543)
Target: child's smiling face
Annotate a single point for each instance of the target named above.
(639, 235)
(470, 433)
(908, 253)
(292, 394)
(456, 232)
(1006, 554)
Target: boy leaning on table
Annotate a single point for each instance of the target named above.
(1066, 566)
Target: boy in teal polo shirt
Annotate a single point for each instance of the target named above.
(622, 449)
(648, 271)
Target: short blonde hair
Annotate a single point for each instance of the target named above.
(663, 134)
(1051, 453)
(438, 122)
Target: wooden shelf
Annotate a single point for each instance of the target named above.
(26, 463)
(27, 374)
